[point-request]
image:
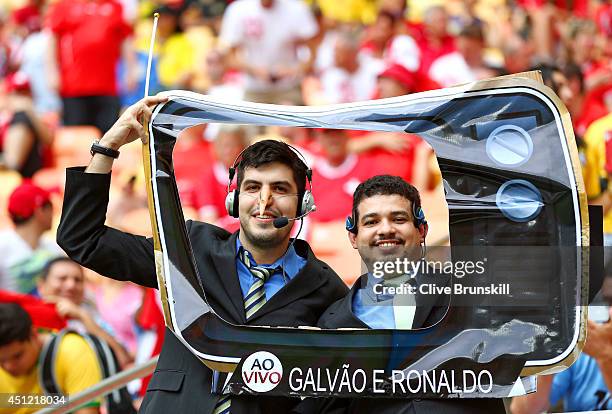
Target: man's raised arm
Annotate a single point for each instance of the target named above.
(82, 233)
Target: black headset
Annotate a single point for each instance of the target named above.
(306, 203)
(419, 219)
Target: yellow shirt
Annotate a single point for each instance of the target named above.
(349, 11)
(76, 369)
(594, 162)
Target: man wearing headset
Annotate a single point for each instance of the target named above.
(256, 276)
(388, 223)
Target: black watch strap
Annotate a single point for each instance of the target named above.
(100, 149)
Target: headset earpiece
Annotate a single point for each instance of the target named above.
(231, 203)
(419, 217)
(350, 226)
(306, 203)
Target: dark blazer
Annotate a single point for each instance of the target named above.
(430, 310)
(181, 383)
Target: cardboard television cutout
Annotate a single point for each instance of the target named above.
(515, 193)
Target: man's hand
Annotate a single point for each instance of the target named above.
(599, 346)
(130, 126)
(69, 310)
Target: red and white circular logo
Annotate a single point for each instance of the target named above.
(262, 371)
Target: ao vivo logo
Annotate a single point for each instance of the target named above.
(262, 371)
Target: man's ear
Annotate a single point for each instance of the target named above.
(352, 237)
(423, 229)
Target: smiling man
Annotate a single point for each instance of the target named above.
(388, 227)
(255, 276)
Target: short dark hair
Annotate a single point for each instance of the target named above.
(268, 151)
(472, 31)
(385, 185)
(573, 71)
(52, 262)
(547, 70)
(15, 324)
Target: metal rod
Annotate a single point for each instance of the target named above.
(104, 387)
(150, 59)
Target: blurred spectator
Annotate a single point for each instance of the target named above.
(192, 156)
(44, 315)
(336, 175)
(583, 50)
(222, 83)
(88, 39)
(117, 304)
(211, 188)
(33, 58)
(24, 251)
(396, 80)
(76, 364)
(384, 43)
(266, 38)
(587, 384)
(127, 200)
(466, 64)
(518, 54)
(25, 138)
(402, 154)
(151, 319)
(433, 40)
(62, 282)
(584, 107)
(176, 61)
(352, 77)
(598, 138)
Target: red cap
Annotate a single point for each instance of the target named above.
(25, 199)
(400, 74)
(27, 16)
(412, 81)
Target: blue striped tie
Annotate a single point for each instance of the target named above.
(253, 301)
(256, 296)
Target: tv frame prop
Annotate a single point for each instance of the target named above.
(507, 350)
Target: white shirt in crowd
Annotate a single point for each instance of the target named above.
(17, 259)
(404, 51)
(340, 86)
(268, 36)
(451, 69)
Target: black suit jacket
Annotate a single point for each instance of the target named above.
(181, 383)
(430, 310)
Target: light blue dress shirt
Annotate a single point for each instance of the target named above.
(374, 310)
(290, 261)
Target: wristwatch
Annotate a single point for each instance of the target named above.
(100, 149)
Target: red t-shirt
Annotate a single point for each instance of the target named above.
(190, 162)
(429, 51)
(211, 193)
(90, 34)
(333, 187)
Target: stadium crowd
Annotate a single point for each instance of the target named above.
(68, 67)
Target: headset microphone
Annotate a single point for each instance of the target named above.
(282, 221)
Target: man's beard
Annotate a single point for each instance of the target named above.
(264, 239)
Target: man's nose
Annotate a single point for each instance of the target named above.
(264, 199)
(386, 228)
